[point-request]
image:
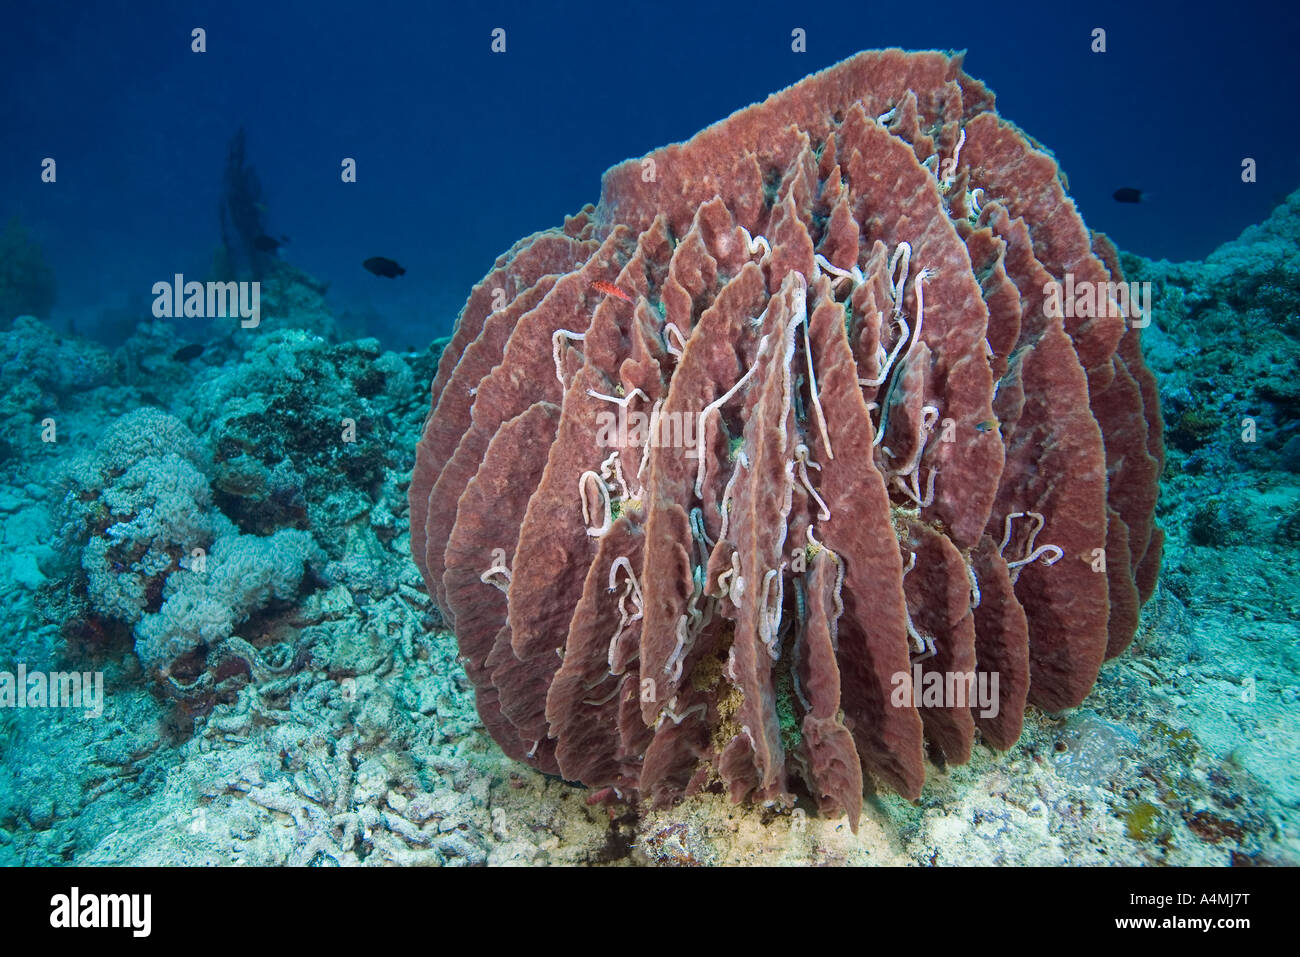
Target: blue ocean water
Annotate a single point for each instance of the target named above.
(331, 721)
(461, 151)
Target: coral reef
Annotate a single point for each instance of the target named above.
(711, 469)
(291, 299)
(302, 433)
(192, 533)
(278, 642)
(201, 609)
(158, 557)
(357, 741)
(41, 373)
(38, 362)
(1238, 310)
(1224, 343)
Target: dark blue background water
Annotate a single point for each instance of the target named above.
(461, 151)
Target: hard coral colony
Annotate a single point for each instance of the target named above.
(862, 440)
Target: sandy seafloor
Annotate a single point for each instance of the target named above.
(363, 746)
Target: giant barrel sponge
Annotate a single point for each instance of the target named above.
(795, 423)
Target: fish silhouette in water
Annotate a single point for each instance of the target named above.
(186, 353)
(381, 266)
(1128, 195)
(269, 244)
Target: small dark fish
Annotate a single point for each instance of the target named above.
(269, 244)
(381, 266)
(186, 353)
(1128, 195)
